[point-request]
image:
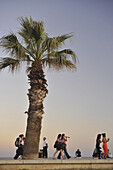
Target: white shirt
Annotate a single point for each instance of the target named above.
(21, 141)
(45, 143)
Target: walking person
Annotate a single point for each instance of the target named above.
(45, 146)
(105, 148)
(64, 140)
(58, 146)
(98, 141)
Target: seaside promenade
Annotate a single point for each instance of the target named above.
(50, 164)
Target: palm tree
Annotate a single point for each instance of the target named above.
(38, 50)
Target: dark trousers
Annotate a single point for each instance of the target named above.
(66, 153)
(99, 152)
(19, 152)
(45, 152)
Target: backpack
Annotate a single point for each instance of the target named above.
(17, 142)
(56, 144)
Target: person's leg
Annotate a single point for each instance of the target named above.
(99, 153)
(55, 154)
(44, 152)
(66, 153)
(62, 153)
(59, 156)
(17, 155)
(21, 151)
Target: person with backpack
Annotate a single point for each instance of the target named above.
(20, 144)
(58, 146)
(64, 140)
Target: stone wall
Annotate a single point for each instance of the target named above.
(50, 164)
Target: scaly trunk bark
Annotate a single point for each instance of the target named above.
(36, 95)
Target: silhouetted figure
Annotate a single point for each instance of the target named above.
(41, 153)
(78, 154)
(98, 141)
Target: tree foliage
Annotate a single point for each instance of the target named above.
(35, 45)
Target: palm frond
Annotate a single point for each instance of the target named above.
(13, 64)
(37, 46)
(11, 45)
(33, 34)
(59, 62)
(64, 58)
(55, 42)
(67, 52)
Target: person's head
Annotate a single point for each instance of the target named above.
(104, 135)
(41, 150)
(59, 136)
(63, 136)
(98, 136)
(44, 138)
(21, 136)
(24, 139)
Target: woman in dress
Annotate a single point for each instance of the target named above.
(105, 148)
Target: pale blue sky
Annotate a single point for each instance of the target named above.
(80, 103)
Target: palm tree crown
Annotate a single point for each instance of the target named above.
(36, 45)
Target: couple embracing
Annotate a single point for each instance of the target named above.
(60, 145)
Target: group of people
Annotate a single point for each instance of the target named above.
(98, 152)
(19, 143)
(60, 145)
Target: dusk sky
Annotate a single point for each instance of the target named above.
(79, 104)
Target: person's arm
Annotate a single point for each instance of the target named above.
(19, 142)
(105, 140)
(47, 145)
(66, 139)
(99, 141)
(108, 140)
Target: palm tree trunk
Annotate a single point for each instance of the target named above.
(36, 95)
